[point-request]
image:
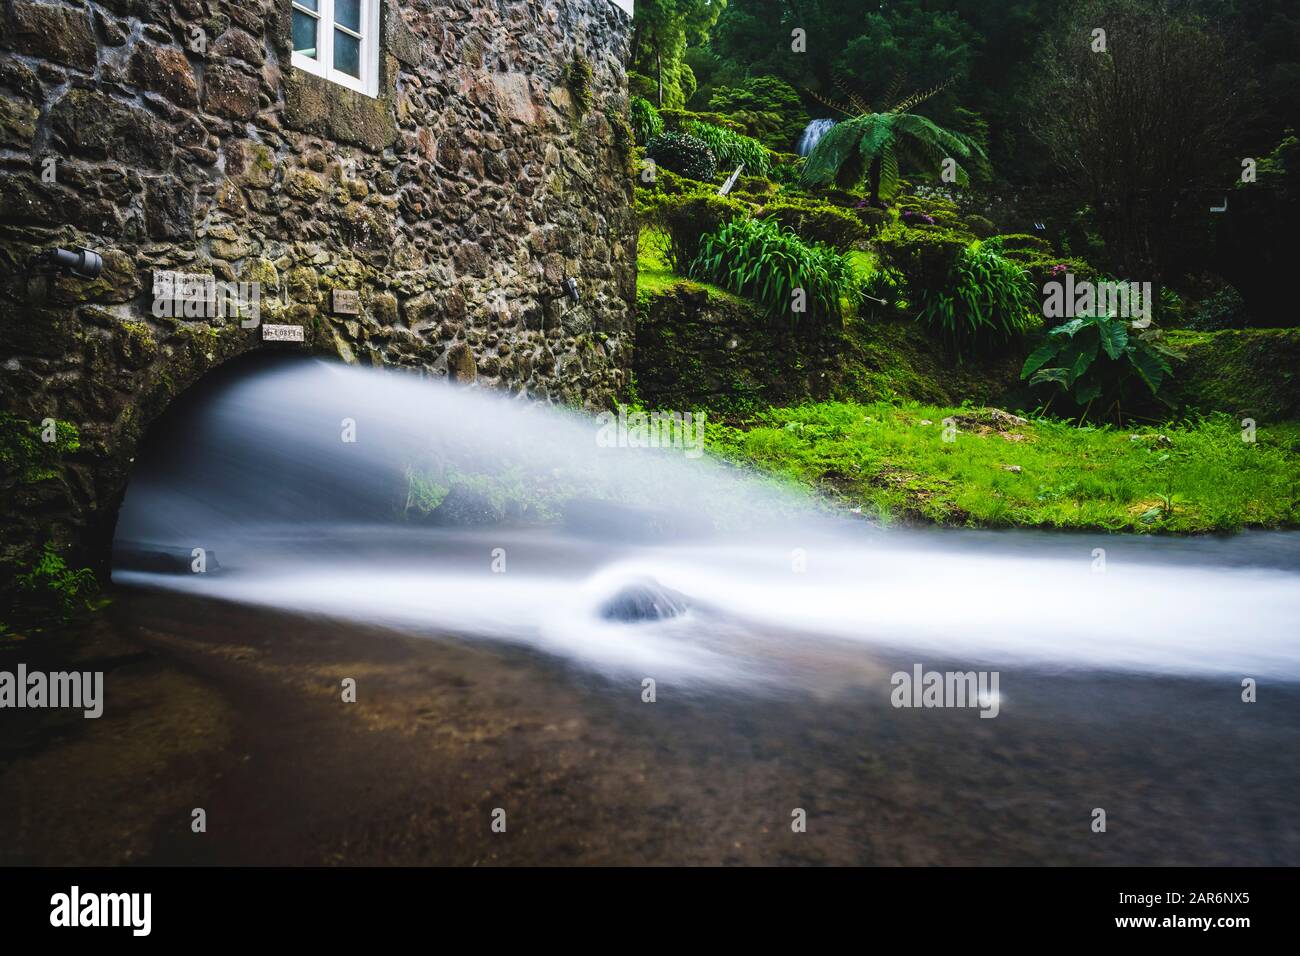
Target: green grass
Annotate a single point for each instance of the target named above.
(885, 460)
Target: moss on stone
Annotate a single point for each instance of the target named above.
(1248, 372)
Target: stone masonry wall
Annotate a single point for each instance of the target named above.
(491, 167)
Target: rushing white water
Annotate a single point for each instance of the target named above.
(812, 135)
(256, 472)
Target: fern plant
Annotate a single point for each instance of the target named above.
(871, 146)
(732, 148)
(991, 299)
(760, 260)
(645, 120)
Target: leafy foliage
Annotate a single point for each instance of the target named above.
(732, 148)
(759, 259)
(874, 145)
(645, 119)
(685, 154)
(769, 107)
(1223, 310)
(1095, 359)
(990, 300)
(52, 585)
(25, 454)
(661, 30)
(686, 218)
(818, 222)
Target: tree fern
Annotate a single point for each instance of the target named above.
(872, 145)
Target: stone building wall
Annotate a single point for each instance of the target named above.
(176, 135)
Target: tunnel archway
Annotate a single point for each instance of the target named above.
(250, 443)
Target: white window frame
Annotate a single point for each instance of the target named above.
(323, 64)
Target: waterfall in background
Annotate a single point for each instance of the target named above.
(812, 134)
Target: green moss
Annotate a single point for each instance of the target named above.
(26, 452)
(578, 79)
(1247, 372)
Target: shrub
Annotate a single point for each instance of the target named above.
(676, 120)
(688, 217)
(668, 183)
(685, 154)
(645, 119)
(732, 148)
(759, 259)
(819, 222)
(1035, 256)
(786, 168)
(934, 212)
(872, 219)
(756, 186)
(989, 299)
(925, 257)
(1223, 310)
(638, 84)
(1095, 358)
(54, 586)
(1020, 242)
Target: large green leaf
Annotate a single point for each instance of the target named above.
(1149, 366)
(1060, 376)
(1086, 390)
(1068, 329)
(1079, 355)
(1114, 336)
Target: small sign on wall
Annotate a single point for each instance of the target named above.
(184, 295)
(347, 302)
(282, 333)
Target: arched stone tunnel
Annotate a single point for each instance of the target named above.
(434, 226)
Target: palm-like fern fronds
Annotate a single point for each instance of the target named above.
(857, 102)
(871, 146)
(831, 104)
(916, 99)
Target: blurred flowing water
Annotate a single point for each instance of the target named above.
(812, 135)
(254, 469)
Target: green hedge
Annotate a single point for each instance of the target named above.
(686, 218)
(819, 222)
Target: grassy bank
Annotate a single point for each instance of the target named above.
(892, 461)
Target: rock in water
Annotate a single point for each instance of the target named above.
(645, 600)
(465, 508)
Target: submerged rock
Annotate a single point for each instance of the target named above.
(645, 600)
(465, 508)
(163, 560)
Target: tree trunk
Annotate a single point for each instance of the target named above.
(877, 166)
(659, 74)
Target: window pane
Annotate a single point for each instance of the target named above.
(307, 4)
(304, 34)
(347, 13)
(347, 54)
